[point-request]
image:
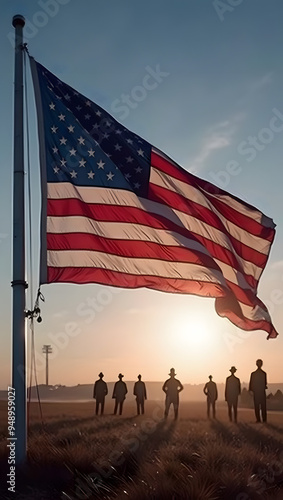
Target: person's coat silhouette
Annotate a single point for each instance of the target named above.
(172, 387)
(119, 394)
(258, 385)
(232, 392)
(100, 390)
(140, 393)
(210, 390)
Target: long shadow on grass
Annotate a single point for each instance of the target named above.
(226, 433)
(258, 439)
(124, 463)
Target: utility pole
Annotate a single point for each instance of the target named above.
(47, 349)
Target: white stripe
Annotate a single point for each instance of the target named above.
(255, 313)
(147, 267)
(242, 208)
(127, 198)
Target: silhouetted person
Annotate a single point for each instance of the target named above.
(119, 394)
(140, 393)
(232, 392)
(172, 387)
(210, 390)
(258, 384)
(100, 390)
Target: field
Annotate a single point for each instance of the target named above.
(76, 455)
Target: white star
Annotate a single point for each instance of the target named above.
(108, 124)
(78, 107)
(100, 164)
(52, 105)
(138, 170)
(91, 174)
(82, 162)
(71, 128)
(127, 176)
(137, 185)
(67, 97)
(95, 126)
(72, 152)
(105, 136)
(110, 176)
(88, 103)
(129, 141)
(129, 159)
(91, 152)
(118, 147)
(55, 150)
(118, 131)
(54, 129)
(140, 152)
(87, 117)
(108, 154)
(98, 113)
(73, 174)
(61, 117)
(81, 140)
(63, 141)
(75, 93)
(63, 162)
(56, 170)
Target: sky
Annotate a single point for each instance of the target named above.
(219, 91)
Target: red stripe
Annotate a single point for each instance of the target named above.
(243, 221)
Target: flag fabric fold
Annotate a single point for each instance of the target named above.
(117, 211)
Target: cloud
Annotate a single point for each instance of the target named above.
(218, 136)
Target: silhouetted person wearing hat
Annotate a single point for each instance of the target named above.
(100, 390)
(172, 387)
(210, 390)
(119, 394)
(140, 393)
(258, 385)
(232, 392)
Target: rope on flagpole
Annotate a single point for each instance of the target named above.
(34, 312)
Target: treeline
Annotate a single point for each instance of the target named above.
(274, 401)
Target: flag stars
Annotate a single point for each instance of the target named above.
(67, 97)
(118, 147)
(127, 177)
(63, 162)
(100, 164)
(82, 163)
(81, 140)
(137, 185)
(55, 150)
(140, 152)
(71, 128)
(91, 152)
(110, 176)
(72, 152)
(118, 131)
(129, 141)
(91, 174)
(54, 129)
(52, 106)
(105, 136)
(129, 159)
(63, 140)
(78, 107)
(61, 117)
(98, 113)
(56, 170)
(138, 170)
(88, 103)
(74, 174)
(87, 116)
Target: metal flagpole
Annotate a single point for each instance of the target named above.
(19, 284)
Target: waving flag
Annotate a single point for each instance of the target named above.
(117, 211)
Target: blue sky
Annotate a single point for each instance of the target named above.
(219, 93)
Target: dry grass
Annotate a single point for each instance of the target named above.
(77, 455)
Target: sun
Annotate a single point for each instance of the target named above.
(193, 332)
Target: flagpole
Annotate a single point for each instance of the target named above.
(19, 284)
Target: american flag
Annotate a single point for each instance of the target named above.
(117, 211)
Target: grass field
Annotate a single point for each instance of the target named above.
(79, 456)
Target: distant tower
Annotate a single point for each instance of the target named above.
(47, 349)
